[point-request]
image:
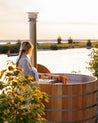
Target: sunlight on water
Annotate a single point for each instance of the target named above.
(65, 61)
(59, 61)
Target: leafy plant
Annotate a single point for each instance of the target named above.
(93, 64)
(19, 102)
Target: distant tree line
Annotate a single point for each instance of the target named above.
(14, 48)
(59, 39)
(70, 41)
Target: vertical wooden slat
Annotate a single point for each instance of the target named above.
(53, 103)
(49, 92)
(77, 102)
(59, 102)
(65, 103)
(69, 99)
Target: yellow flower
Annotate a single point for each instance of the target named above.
(12, 100)
(8, 111)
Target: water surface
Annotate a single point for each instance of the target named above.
(59, 61)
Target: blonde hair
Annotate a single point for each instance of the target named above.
(25, 46)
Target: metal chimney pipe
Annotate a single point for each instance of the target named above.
(32, 23)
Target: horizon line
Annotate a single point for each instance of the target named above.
(46, 39)
(66, 22)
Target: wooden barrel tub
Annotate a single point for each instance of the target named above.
(73, 102)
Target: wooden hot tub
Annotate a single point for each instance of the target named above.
(73, 102)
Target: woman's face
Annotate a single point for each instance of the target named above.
(29, 51)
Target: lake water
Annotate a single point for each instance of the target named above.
(59, 61)
(47, 41)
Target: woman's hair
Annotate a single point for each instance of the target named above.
(25, 46)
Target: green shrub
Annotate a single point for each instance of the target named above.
(18, 41)
(20, 103)
(93, 64)
(59, 40)
(4, 49)
(70, 41)
(53, 47)
(89, 43)
(14, 48)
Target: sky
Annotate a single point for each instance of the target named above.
(65, 18)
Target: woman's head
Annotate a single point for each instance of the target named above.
(26, 47)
